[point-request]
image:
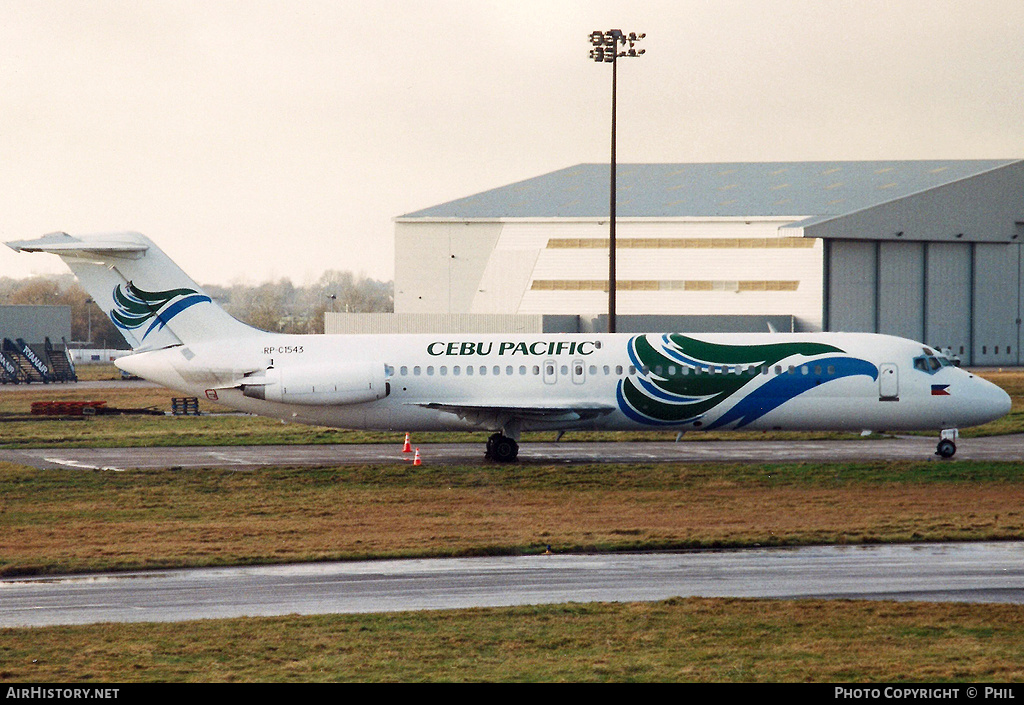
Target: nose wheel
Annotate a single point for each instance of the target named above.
(947, 443)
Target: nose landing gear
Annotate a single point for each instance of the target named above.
(947, 443)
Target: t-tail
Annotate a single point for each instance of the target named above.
(148, 297)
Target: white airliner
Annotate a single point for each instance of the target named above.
(513, 383)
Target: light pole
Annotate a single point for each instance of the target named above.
(88, 309)
(606, 49)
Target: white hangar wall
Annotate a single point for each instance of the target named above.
(724, 266)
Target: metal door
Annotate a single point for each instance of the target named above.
(888, 382)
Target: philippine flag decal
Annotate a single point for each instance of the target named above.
(940, 390)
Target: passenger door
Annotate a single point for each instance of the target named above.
(888, 382)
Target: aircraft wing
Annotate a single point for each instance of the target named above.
(502, 413)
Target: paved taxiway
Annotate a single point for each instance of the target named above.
(249, 457)
(987, 572)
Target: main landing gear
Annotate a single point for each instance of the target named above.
(947, 443)
(502, 448)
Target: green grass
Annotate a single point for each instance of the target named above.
(58, 521)
(677, 640)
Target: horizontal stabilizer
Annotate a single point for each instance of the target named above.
(64, 244)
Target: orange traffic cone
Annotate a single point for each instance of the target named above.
(416, 460)
(407, 448)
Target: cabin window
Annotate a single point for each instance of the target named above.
(444, 370)
(618, 369)
(496, 370)
(522, 369)
(778, 369)
(508, 370)
(430, 369)
(831, 369)
(416, 370)
(593, 369)
(469, 369)
(536, 370)
(565, 369)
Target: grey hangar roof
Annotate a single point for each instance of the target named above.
(767, 189)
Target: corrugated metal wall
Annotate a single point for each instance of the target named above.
(965, 296)
(35, 323)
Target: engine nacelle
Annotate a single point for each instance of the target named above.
(322, 385)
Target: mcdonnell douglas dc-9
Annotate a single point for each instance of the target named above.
(508, 384)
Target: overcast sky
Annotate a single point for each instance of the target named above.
(255, 140)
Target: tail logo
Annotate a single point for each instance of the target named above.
(135, 307)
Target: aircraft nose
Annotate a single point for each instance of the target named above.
(993, 401)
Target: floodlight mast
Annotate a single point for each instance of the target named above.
(606, 49)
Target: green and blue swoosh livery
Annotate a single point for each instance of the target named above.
(711, 378)
(135, 307)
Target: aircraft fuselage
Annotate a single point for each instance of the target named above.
(830, 381)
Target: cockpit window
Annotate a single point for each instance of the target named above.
(930, 362)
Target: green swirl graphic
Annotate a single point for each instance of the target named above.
(133, 307)
(664, 398)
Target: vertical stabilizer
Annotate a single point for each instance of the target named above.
(147, 296)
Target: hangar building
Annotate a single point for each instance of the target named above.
(929, 250)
